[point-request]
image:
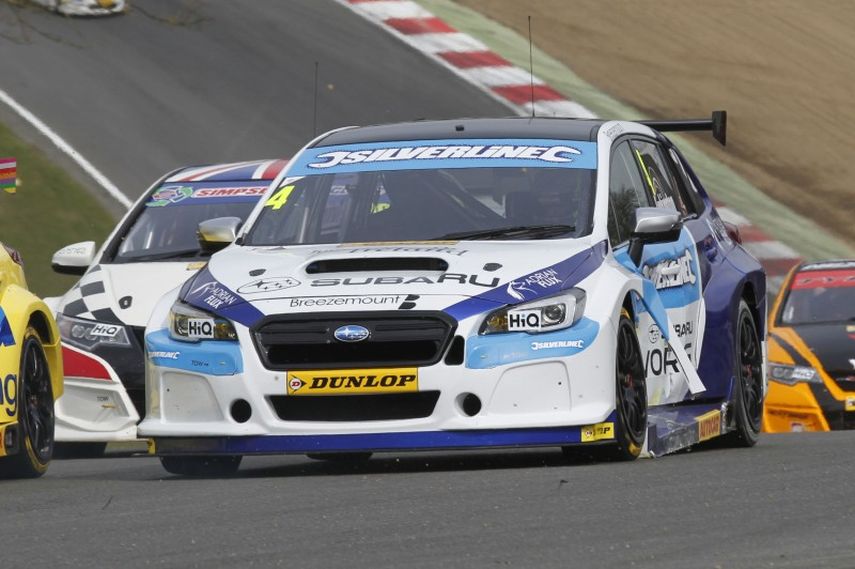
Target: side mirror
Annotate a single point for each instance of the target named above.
(653, 225)
(74, 259)
(218, 233)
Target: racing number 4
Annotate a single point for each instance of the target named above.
(279, 199)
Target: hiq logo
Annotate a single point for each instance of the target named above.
(200, 328)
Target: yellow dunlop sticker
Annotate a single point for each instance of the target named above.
(196, 265)
(850, 403)
(598, 432)
(150, 446)
(709, 425)
(353, 381)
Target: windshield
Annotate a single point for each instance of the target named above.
(425, 195)
(165, 228)
(818, 297)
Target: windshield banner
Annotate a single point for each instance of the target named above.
(444, 154)
(189, 193)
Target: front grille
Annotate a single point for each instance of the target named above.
(844, 380)
(307, 341)
(384, 407)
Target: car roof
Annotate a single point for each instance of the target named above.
(511, 127)
(229, 172)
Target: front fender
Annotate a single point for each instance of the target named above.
(25, 310)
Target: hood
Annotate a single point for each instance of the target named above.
(124, 293)
(423, 276)
(833, 345)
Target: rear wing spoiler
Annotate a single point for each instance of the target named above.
(717, 123)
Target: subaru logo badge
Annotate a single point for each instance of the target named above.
(351, 333)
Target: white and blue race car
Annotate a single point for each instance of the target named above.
(465, 284)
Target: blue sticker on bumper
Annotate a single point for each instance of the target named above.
(211, 357)
(493, 350)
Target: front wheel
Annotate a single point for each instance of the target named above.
(630, 399)
(748, 380)
(35, 413)
(201, 466)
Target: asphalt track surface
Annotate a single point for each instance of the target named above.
(785, 503)
(173, 83)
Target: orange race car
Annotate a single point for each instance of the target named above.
(812, 350)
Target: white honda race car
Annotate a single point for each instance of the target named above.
(465, 284)
(153, 249)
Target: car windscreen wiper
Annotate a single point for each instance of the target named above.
(167, 255)
(530, 231)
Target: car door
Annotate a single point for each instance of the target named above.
(674, 268)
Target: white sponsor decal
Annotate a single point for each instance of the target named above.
(551, 154)
(654, 334)
(200, 328)
(853, 363)
(164, 355)
(105, 330)
(671, 272)
(578, 344)
(522, 320)
(268, 284)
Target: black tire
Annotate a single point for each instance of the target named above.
(79, 450)
(201, 466)
(35, 413)
(341, 457)
(630, 401)
(748, 380)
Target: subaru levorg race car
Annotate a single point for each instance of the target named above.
(465, 284)
(30, 373)
(102, 317)
(812, 350)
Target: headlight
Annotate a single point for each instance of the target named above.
(190, 324)
(544, 315)
(792, 375)
(88, 334)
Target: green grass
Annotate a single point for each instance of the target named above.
(48, 211)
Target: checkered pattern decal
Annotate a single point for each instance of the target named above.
(88, 299)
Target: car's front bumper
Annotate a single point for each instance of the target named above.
(807, 407)
(539, 398)
(95, 406)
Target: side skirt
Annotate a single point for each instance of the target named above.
(676, 427)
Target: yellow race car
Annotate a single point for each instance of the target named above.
(812, 350)
(30, 373)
